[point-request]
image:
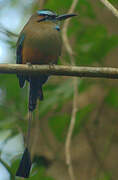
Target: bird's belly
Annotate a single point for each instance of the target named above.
(35, 56)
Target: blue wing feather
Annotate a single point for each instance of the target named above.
(19, 58)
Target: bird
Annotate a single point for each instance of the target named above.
(39, 43)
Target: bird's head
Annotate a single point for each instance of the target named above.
(48, 15)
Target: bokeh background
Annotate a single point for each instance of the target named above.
(93, 35)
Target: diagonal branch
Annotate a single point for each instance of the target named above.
(8, 169)
(110, 7)
(65, 28)
(70, 131)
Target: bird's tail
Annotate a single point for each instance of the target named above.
(36, 90)
(35, 93)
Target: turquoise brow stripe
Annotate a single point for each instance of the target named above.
(42, 12)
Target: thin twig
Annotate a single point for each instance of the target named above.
(8, 169)
(70, 131)
(65, 28)
(75, 71)
(110, 7)
(41, 3)
(7, 32)
(75, 85)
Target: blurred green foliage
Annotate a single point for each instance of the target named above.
(112, 98)
(91, 43)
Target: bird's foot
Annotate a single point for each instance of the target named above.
(28, 63)
(51, 65)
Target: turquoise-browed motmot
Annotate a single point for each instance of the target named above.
(38, 43)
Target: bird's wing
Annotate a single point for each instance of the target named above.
(19, 49)
(19, 58)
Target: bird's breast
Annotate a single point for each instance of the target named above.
(42, 44)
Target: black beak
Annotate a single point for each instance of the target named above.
(64, 16)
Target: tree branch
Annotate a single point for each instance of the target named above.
(110, 7)
(76, 71)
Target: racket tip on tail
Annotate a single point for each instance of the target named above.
(25, 165)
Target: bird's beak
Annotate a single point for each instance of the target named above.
(64, 16)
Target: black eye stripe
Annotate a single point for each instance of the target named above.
(47, 17)
(51, 16)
